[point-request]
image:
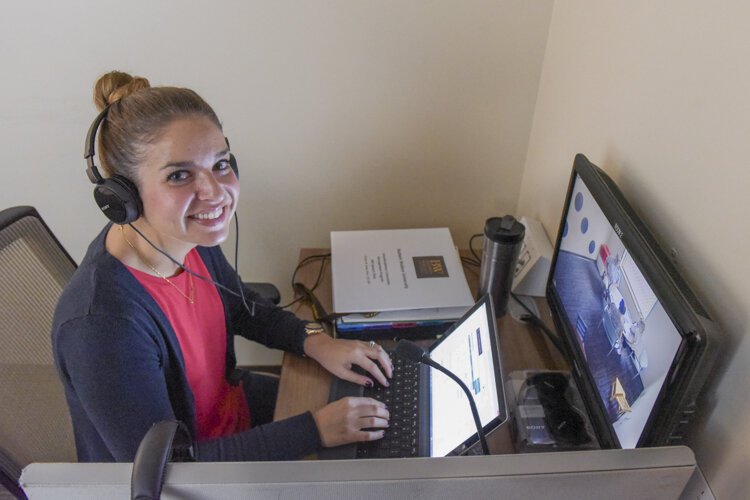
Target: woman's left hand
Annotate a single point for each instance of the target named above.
(338, 356)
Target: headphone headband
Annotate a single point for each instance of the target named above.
(89, 148)
(117, 196)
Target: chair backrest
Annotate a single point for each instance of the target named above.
(34, 419)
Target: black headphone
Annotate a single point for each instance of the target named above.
(119, 200)
(117, 196)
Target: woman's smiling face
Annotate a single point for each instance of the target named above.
(188, 188)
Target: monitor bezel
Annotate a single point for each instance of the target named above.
(685, 375)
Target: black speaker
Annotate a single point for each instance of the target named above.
(117, 196)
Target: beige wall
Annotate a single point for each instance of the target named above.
(343, 114)
(353, 114)
(658, 94)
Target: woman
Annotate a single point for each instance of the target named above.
(138, 338)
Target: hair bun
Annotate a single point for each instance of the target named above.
(113, 86)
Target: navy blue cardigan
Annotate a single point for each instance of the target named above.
(122, 368)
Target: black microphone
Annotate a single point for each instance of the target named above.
(412, 352)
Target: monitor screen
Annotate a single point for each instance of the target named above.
(469, 351)
(634, 331)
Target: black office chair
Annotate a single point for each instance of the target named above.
(266, 290)
(34, 421)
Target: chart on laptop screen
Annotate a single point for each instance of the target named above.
(625, 335)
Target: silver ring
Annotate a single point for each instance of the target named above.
(372, 343)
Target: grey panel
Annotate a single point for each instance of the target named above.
(645, 473)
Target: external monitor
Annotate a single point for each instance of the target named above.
(637, 337)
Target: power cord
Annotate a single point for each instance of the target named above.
(533, 319)
(304, 293)
(308, 294)
(475, 261)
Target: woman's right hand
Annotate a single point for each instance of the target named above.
(344, 421)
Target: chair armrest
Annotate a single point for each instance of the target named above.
(166, 440)
(266, 290)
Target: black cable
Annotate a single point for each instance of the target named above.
(469, 261)
(298, 299)
(532, 318)
(236, 264)
(471, 248)
(319, 312)
(320, 272)
(307, 292)
(307, 259)
(241, 295)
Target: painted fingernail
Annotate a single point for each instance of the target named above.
(368, 383)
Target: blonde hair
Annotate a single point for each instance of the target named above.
(137, 115)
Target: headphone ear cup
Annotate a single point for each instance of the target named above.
(233, 165)
(118, 199)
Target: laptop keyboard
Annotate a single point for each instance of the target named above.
(402, 399)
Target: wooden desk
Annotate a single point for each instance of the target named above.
(304, 384)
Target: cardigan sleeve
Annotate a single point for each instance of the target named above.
(287, 439)
(116, 376)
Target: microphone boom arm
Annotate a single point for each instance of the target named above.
(475, 413)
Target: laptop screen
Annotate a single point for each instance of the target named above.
(469, 351)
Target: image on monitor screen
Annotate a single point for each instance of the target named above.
(636, 335)
(624, 333)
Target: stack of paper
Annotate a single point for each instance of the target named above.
(397, 277)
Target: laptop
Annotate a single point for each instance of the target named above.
(430, 414)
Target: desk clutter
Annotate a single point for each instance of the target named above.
(547, 412)
(639, 341)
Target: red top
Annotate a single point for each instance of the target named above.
(220, 408)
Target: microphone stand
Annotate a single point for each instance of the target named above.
(408, 349)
